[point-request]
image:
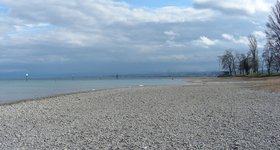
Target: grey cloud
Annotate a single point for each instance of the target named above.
(107, 36)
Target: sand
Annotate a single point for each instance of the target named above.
(206, 115)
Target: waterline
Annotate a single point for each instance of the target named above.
(15, 90)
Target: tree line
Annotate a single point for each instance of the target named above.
(244, 64)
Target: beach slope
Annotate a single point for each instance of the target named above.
(217, 115)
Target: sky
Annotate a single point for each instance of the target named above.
(125, 36)
(158, 3)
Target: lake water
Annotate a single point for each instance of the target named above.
(15, 90)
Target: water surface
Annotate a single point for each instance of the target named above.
(14, 90)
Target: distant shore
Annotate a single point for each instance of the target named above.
(211, 113)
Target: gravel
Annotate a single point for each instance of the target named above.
(202, 116)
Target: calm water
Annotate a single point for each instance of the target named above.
(14, 90)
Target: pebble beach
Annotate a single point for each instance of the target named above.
(210, 115)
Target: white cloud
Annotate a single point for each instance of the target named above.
(246, 6)
(171, 43)
(25, 29)
(170, 33)
(107, 31)
(176, 14)
(261, 38)
(259, 34)
(206, 42)
(106, 11)
(239, 40)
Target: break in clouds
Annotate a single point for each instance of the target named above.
(106, 36)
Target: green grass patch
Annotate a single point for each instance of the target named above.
(263, 74)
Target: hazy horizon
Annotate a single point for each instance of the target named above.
(107, 75)
(125, 36)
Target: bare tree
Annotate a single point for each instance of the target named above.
(262, 63)
(273, 34)
(253, 53)
(245, 64)
(242, 62)
(276, 59)
(268, 57)
(227, 62)
(238, 62)
(276, 66)
(233, 61)
(273, 25)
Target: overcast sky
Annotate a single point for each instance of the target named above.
(125, 36)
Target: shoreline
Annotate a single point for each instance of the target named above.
(192, 80)
(17, 100)
(44, 97)
(205, 115)
(74, 93)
